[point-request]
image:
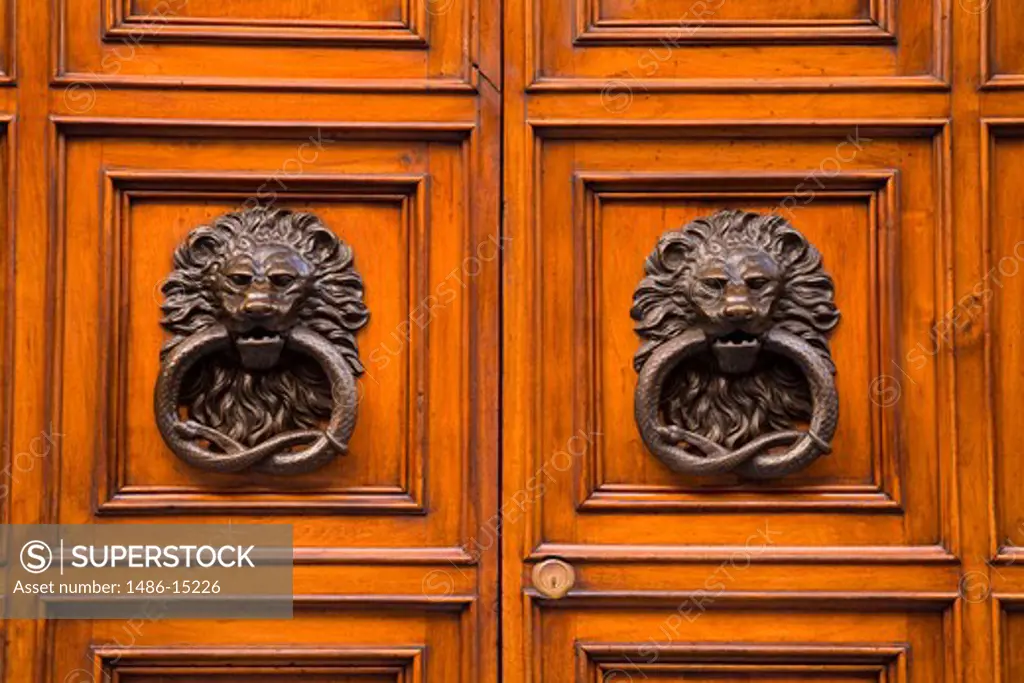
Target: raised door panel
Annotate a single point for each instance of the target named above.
(385, 231)
(1009, 637)
(1002, 289)
(372, 643)
(254, 665)
(7, 42)
(15, 463)
(258, 675)
(626, 49)
(679, 637)
(400, 199)
(751, 13)
(878, 218)
(1002, 42)
(382, 573)
(311, 12)
(390, 44)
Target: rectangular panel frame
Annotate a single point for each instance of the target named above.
(881, 32)
(879, 190)
(120, 187)
(592, 29)
(536, 548)
(121, 23)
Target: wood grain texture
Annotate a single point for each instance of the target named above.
(609, 209)
(736, 47)
(390, 214)
(354, 665)
(7, 44)
(179, 43)
(626, 119)
(1008, 636)
(1002, 40)
(592, 460)
(894, 559)
(12, 462)
(405, 241)
(389, 23)
(728, 663)
(136, 121)
(327, 642)
(8, 456)
(676, 637)
(615, 22)
(1003, 157)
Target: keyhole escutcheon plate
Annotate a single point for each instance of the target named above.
(553, 578)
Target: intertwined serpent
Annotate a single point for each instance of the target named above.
(755, 459)
(274, 455)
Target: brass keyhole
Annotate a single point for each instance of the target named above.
(553, 578)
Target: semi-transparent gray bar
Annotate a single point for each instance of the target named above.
(146, 571)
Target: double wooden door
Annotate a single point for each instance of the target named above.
(501, 173)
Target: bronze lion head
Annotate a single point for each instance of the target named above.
(260, 274)
(735, 276)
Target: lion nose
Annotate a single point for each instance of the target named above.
(258, 306)
(738, 310)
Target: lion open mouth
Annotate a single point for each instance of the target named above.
(259, 348)
(736, 352)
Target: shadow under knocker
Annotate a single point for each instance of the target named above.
(264, 305)
(735, 313)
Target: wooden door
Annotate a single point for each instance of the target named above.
(887, 135)
(130, 123)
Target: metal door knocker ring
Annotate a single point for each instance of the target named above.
(263, 305)
(735, 313)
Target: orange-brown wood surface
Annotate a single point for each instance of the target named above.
(518, 161)
(890, 134)
(126, 125)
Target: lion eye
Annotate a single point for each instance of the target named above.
(757, 282)
(714, 283)
(282, 279)
(240, 279)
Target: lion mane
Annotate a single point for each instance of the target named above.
(251, 406)
(733, 409)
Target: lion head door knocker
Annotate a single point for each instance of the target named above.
(735, 371)
(263, 306)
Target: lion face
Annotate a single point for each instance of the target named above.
(735, 275)
(734, 294)
(260, 293)
(260, 273)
